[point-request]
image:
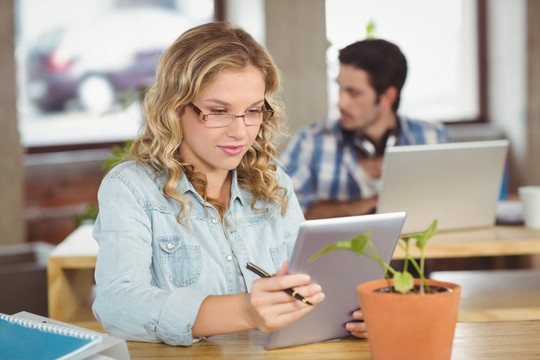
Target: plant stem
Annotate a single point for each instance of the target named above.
(423, 279)
(384, 266)
(422, 261)
(405, 248)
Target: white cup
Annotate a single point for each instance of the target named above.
(530, 199)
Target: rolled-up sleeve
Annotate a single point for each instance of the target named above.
(128, 304)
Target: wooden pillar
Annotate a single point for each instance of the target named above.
(532, 175)
(11, 169)
(296, 37)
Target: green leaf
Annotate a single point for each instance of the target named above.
(359, 243)
(90, 213)
(335, 246)
(403, 282)
(119, 154)
(426, 235)
(422, 238)
(370, 29)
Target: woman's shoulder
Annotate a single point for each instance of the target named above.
(283, 178)
(134, 175)
(130, 170)
(138, 180)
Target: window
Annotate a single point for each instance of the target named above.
(439, 39)
(83, 65)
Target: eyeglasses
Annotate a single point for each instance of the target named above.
(251, 118)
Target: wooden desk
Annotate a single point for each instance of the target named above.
(70, 277)
(493, 241)
(494, 295)
(489, 295)
(71, 264)
(474, 341)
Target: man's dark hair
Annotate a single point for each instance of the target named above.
(382, 60)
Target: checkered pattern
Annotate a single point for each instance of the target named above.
(323, 165)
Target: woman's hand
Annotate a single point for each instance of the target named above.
(357, 328)
(272, 308)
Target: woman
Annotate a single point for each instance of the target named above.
(201, 199)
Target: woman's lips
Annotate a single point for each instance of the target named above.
(232, 150)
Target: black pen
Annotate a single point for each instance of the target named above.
(257, 270)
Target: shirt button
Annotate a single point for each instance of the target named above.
(215, 221)
(229, 258)
(233, 231)
(170, 246)
(152, 327)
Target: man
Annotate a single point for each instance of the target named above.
(336, 165)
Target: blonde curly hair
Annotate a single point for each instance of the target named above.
(187, 66)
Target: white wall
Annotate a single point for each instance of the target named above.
(249, 14)
(507, 93)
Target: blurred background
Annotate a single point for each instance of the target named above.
(73, 74)
(80, 70)
(82, 65)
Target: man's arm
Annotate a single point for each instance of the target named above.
(329, 209)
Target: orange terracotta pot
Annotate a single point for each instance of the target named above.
(409, 326)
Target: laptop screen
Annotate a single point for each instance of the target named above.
(456, 183)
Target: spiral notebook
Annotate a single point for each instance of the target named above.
(28, 336)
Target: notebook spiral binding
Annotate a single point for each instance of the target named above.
(52, 328)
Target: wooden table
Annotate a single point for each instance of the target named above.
(492, 241)
(493, 295)
(71, 264)
(474, 341)
(70, 276)
(490, 295)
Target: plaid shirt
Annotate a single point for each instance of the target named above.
(324, 166)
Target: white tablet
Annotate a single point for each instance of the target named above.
(338, 272)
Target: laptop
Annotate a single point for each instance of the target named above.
(458, 184)
(338, 272)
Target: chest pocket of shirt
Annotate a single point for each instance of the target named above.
(279, 256)
(181, 263)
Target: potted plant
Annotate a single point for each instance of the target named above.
(406, 318)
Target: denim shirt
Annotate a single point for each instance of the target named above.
(152, 274)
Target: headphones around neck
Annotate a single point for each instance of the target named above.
(368, 148)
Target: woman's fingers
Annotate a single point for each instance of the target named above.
(277, 315)
(283, 269)
(357, 328)
(282, 282)
(274, 307)
(271, 294)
